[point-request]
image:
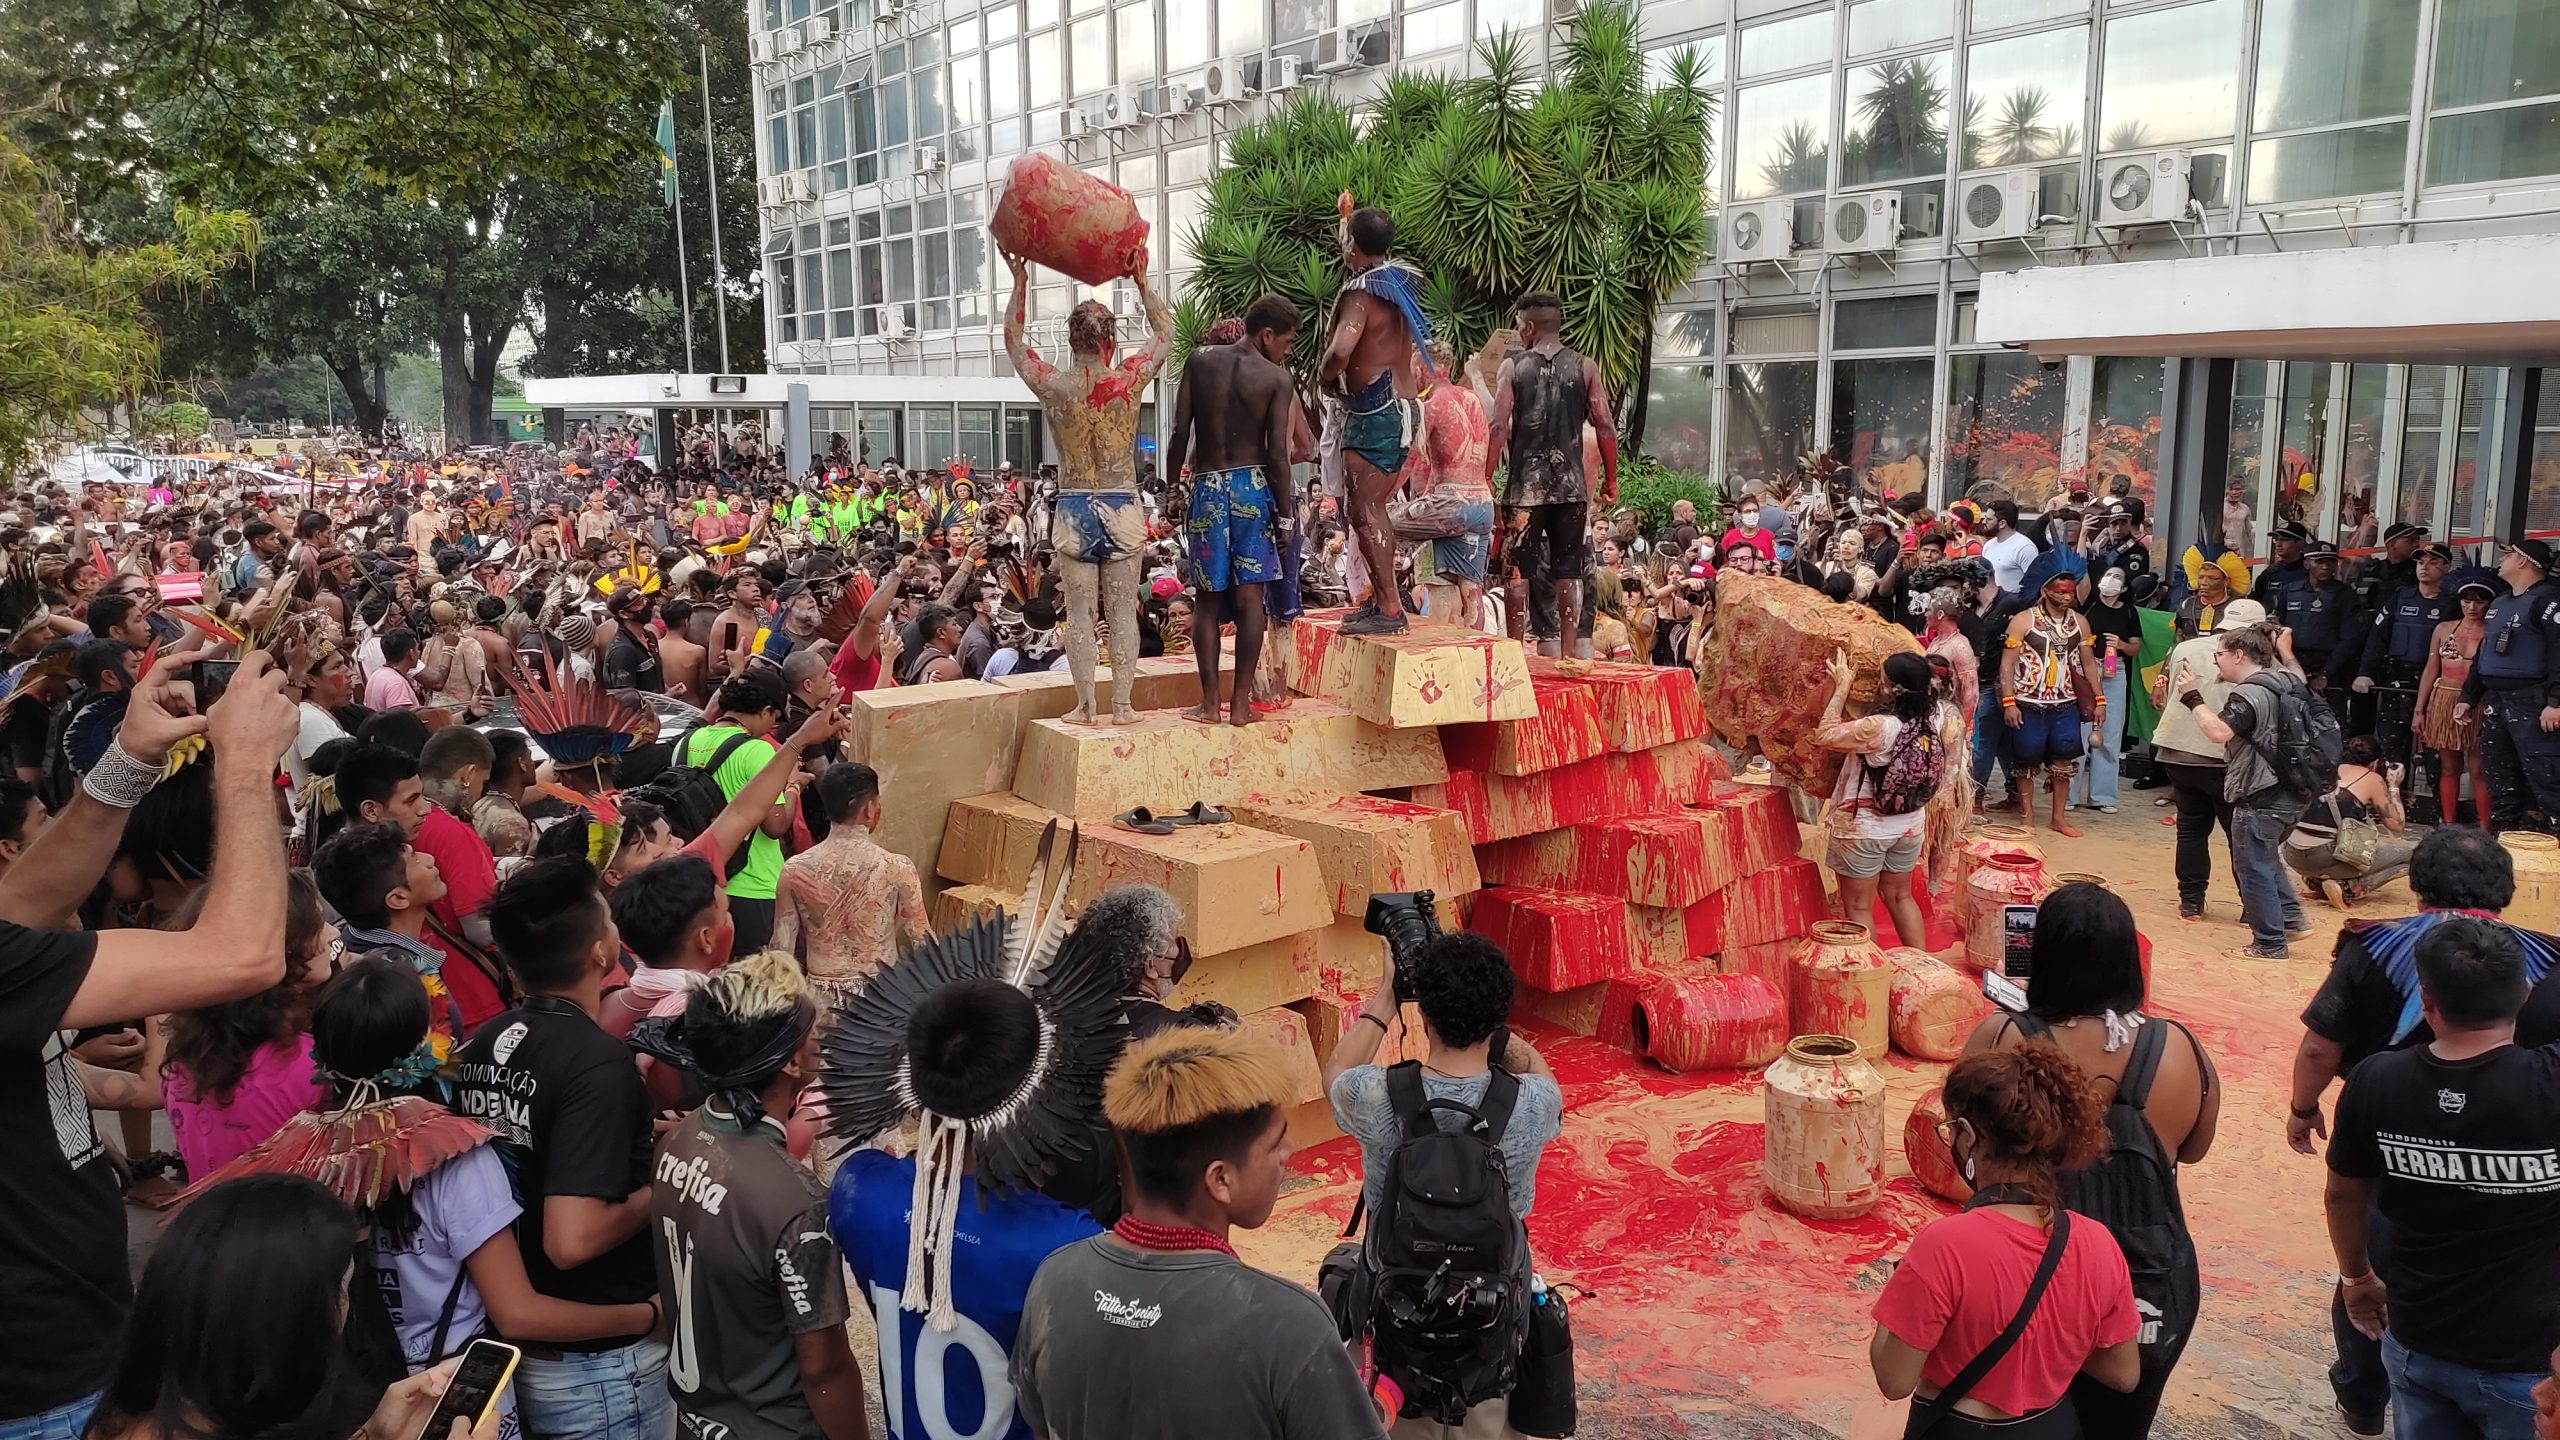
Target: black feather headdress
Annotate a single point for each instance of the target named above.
(1012, 1119)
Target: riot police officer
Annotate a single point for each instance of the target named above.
(2515, 687)
(2315, 604)
(2396, 637)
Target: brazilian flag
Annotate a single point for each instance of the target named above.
(667, 152)
(2159, 637)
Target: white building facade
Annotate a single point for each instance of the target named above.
(1944, 227)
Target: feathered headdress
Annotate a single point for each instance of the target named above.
(362, 1153)
(578, 721)
(1013, 1120)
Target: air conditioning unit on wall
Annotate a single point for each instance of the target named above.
(1222, 83)
(2145, 188)
(1114, 109)
(1757, 230)
(2003, 205)
(1866, 223)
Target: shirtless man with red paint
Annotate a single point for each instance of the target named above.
(1100, 524)
(1238, 406)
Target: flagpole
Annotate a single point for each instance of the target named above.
(711, 190)
(675, 202)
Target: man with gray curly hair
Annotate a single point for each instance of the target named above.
(1137, 930)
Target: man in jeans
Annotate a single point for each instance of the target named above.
(2453, 1141)
(2194, 764)
(2262, 809)
(573, 1125)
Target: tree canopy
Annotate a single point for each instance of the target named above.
(438, 174)
(1590, 183)
(76, 335)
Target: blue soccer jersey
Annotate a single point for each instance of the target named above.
(935, 1384)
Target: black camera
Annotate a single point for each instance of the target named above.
(1408, 921)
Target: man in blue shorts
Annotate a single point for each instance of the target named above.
(1234, 416)
(1374, 363)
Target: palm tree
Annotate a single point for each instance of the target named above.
(2128, 135)
(2018, 133)
(1798, 160)
(1588, 181)
(1901, 128)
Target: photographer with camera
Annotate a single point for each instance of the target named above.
(1482, 1089)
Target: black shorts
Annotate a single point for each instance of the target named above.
(1555, 541)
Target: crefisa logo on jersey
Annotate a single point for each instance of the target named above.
(2451, 1101)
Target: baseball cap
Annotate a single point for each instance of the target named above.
(2239, 615)
(2436, 548)
(2402, 528)
(2319, 550)
(2293, 530)
(1165, 587)
(2537, 551)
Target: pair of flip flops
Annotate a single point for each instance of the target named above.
(1147, 822)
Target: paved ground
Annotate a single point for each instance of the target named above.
(1718, 1314)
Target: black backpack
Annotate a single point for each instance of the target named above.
(1443, 1289)
(690, 795)
(2307, 744)
(2133, 1191)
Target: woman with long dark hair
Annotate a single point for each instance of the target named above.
(237, 1331)
(2016, 1119)
(432, 1191)
(1897, 759)
(2163, 1101)
(236, 1072)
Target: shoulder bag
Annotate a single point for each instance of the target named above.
(1927, 1416)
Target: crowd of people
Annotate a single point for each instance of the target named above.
(467, 864)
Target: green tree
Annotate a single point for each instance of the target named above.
(75, 329)
(450, 123)
(1590, 183)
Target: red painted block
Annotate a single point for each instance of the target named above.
(1663, 860)
(1781, 902)
(1757, 825)
(1557, 939)
(1605, 1010)
(1641, 706)
(1566, 729)
(1504, 807)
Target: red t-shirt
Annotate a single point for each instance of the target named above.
(470, 877)
(1961, 1283)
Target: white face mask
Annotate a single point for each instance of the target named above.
(2111, 586)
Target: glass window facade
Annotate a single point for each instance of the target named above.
(2301, 114)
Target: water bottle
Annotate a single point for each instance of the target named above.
(2111, 665)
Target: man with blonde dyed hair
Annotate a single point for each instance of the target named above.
(1156, 1329)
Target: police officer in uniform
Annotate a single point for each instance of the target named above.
(2397, 565)
(2284, 564)
(2315, 604)
(2515, 689)
(2395, 648)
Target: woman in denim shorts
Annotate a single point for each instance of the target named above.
(1873, 851)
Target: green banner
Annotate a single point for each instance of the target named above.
(2159, 637)
(667, 152)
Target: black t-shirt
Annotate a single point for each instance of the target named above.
(23, 734)
(572, 1119)
(62, 1235)
(2465, 1156)
(2358, 1007)
(2121, 621)
(631, 665)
